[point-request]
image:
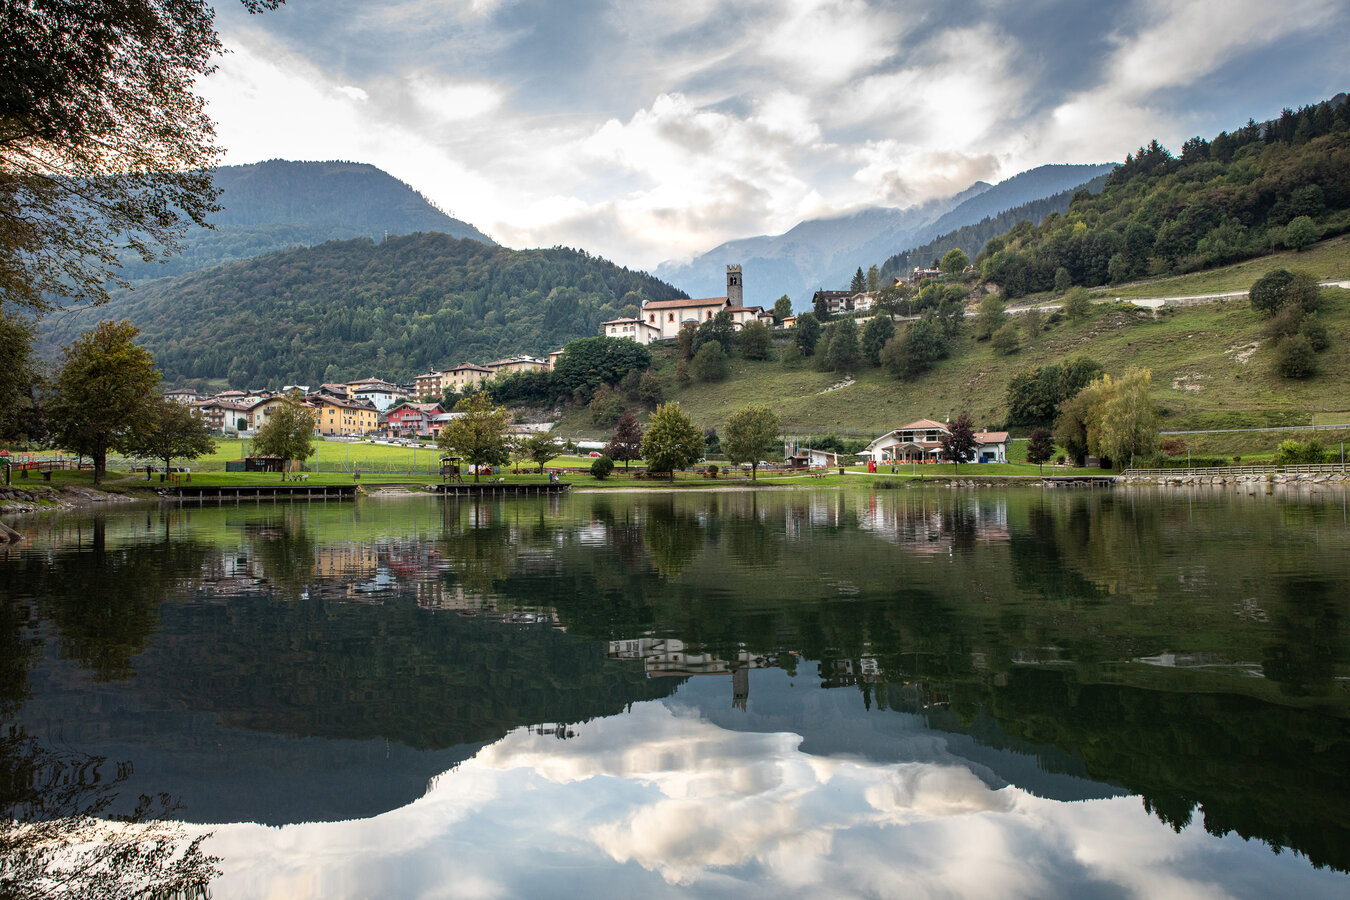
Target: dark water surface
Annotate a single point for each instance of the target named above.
(744, 694)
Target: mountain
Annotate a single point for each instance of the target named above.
(824, 253)
(356, 308)
(281, 205)
(971, 238)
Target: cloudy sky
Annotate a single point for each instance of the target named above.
(646, 130)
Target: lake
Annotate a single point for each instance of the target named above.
(1015, 693)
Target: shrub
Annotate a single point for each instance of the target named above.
(709, 363)
(1005, 342)
(1295, 357)
(713, 470)
(601, 468)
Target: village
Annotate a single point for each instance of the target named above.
(381, 409)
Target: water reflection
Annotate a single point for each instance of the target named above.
(738, 687)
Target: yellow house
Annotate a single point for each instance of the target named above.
(345, 417)
(465, 375)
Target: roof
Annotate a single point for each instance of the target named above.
(991, 437)
(922, 425)
(180, 391)
(515, 360)
(621, 322)
(371, 382)
(223, 404)
(345, 403)
(684, 304)
(470, 366)
(753, 309)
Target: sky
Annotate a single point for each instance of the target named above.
(652, 130)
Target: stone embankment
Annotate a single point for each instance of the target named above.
(18, 500)
(1290, 479)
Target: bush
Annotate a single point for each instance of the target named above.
(791, 357)
(601, 468)
(1279, 288)
(713, 470)
(1295, 357)
(607, 407)
(709, 363)
(1292, 453)
(1005, 342)
(1076, 304)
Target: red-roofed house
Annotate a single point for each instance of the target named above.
(919, 442)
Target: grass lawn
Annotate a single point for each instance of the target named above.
(1327, 260)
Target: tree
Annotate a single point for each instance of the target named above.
(103, 142)
(843, 352)
(754, 340)
(1077, 306)
(873, 279)
(954, 262)
(601, 467)
(958, 441)
(719, 328)
(606, 407)
(588, 363)
(1300, 233)
(672, 441)
(879, 330)
(1280, 288)
(709, 363)
(990, 318)
(782, 308)
(1005, 342)
(1295, 357)
(1127, 424)
(896, 299)
(1034, 322)
(1040, 447)
(541, 448)
(914, 352)
(806, 333)
(650, 389)
(751, 434)
(625, 445)
(686, 339)
(102, 392)
(170, 429)
(19, 376)
(287, 434)
(479, 434)
(859, 282)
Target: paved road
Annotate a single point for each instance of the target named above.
(1157, 302)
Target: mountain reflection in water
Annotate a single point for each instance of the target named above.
(919, 692)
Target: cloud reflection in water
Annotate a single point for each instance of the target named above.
(662, 802)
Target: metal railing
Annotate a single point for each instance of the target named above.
(1325, 468)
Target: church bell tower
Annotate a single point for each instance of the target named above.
(735, 296)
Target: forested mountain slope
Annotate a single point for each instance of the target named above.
(280, 205)
(1267, 186)
(351, 309)
(972, 238)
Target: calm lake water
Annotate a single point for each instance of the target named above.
(907, 693)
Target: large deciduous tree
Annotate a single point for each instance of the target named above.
(954, 261)
(806, 333)
(104, 144)
(479, 434)
(541, 448)
(588, 363)
(170, 430)
(1114, 419)
(102, 393)
(782, 308)
(287, 434)
(19, 376)
(750, 435)
(1040, 447)
(625, 445)
(958, 442)
(672, 441)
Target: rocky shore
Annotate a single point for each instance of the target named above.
(1290, 479)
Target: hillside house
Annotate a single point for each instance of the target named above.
(429, 385)
(669, 316)
(919, 442)
(513, 364)
(185, 396)
(380, 393)
(633, 329)
(834, 302)
(464, 375)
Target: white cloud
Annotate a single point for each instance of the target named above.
(454, 101)
(631, 804)
(1174, 45)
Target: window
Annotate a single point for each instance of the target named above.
(651, 317)
(671, 317)
(710, 313)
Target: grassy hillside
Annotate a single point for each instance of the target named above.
(1212, 368)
